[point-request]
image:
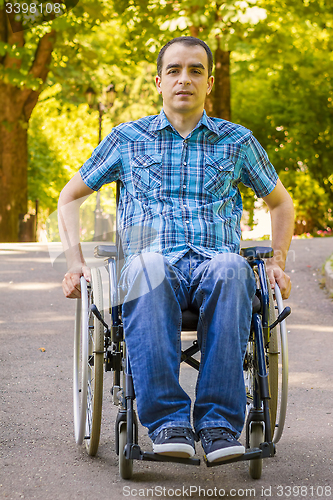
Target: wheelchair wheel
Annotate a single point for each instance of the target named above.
(88, 365)
(255, 430)
(282, 342)
(95, 368)
(125, 465)
(273, 363)
(257, 436)
(80, 373)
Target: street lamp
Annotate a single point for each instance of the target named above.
(106, 102)
(91, 97)
(110, 93)
(103, 105)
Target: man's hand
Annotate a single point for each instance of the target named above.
(281, 209)
(71, 282)
(70, 200)
(277, 275)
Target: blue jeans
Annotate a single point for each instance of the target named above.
(221, 290)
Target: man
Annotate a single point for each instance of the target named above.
(179, 215)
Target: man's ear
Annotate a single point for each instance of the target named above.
(210, 84)
(158, 84)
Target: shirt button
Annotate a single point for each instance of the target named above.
(185, 163)
(184, 186)
(187, 222)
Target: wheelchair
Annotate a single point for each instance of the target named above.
(100, 347)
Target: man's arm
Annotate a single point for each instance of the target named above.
(71, 198)
(281, 210)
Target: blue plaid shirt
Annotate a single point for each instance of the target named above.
(178, 193)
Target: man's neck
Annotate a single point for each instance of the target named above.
(182, 122)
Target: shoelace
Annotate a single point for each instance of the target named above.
(170, 432)
(211, 435)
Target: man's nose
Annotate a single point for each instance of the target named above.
(184, 78)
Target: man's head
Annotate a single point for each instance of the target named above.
(184, 76)
(188, 41)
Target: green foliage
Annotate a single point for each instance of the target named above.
(282, 90)
(60, 140)
(282, 75)
(152, 23)
(311, 202)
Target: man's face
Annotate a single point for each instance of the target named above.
(184, 82)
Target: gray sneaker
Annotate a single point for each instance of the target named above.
(219, 444)
(175, 442)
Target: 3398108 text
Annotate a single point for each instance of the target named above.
(33, 8)
(304, 491)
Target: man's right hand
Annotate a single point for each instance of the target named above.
(71, 282)
(70, 200)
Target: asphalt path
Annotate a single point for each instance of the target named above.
(39, 458)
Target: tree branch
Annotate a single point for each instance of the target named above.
(40, 68)
(16, 38)
(43, 55)
(3, 25)
(27, 97)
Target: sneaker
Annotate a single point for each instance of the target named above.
(219, 444)
(175, 442)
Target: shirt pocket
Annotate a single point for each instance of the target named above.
(219, 174)
(146, 172)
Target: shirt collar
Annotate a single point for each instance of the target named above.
(160, 122)
(209, 123)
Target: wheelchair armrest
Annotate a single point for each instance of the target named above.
(106, 251)
(257, 252)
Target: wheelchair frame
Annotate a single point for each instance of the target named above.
(97, 345)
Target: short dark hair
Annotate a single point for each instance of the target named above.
(186, 40)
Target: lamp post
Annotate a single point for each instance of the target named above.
(102, 105)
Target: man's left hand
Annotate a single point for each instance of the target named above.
(277, 275)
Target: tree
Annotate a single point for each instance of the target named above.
(223, 24)
(283, 93)
(18, 96)
(25, 61)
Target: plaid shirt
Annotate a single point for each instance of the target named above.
(178, 193)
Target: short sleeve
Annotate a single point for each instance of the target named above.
(258, 173)
(104, 164)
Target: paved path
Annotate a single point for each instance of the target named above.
(39, 459)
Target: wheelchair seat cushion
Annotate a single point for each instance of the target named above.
(190, 317)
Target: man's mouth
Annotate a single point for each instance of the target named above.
(183, 92)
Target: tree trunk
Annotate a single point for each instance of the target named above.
(13, 178)
(221, 98)
(16, 105)
(218, 102)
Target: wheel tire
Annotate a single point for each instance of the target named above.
(273, 356)
(95, 367)
(257, 436)
(80, 368)
(283, 381)
(88, 365)
(125, 465)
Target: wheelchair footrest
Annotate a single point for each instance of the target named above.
(137, 454)
(155, 457)
(266, 450)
